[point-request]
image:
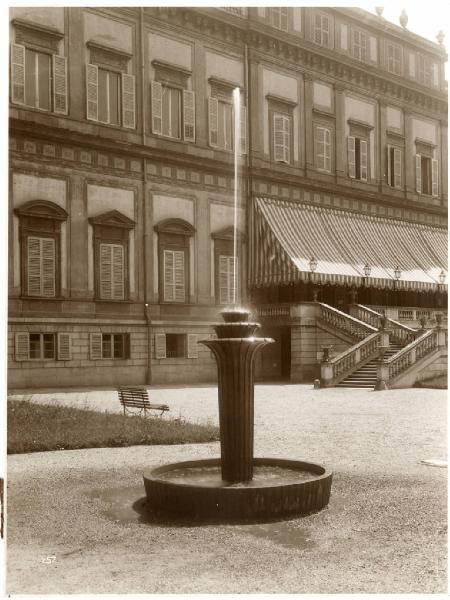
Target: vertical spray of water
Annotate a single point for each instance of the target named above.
(237, 138)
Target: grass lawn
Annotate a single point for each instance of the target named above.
(37, 428)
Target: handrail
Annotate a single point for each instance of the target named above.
(400, 333)
(347, 361)
(407, 356)
(340, 320)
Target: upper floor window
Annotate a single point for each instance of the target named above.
(173, 112)
(278, 17)
(359, 45)
(321, 33)
(357, 149)
(427, 175)
(394, 167)
(240, 11)
(40, 238)
(322, 148)
(281, 135)
(394, 59)
(221, 117)
(424, 70)
(111, 260)
(38, 79)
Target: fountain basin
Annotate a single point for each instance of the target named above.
(279, 488)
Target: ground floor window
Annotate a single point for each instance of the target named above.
(175, 345)
(110, 345)
(42, 346)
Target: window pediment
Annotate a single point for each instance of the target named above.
(228, 234)
(113, 218)
(36, 35)
(175, 226)
(42, 209)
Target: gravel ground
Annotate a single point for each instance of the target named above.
(77, 520)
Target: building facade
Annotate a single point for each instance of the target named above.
(122, 183)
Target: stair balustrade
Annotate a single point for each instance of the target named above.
(344, 322)
(338, 367)
(398, 363)
(400, 333)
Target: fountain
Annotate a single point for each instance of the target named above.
(237, 485)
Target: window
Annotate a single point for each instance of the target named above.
(427, 174)
(394, 59)
(359, 45)
(282, 125)
(357, 158)
(221, 124)
(40, 240)
(38, 79)
(394, 167)
(278, 17)
(173, 248)
(227, 266)
(109, 345)
(322, 148)
(110, 96)
(42, 346)
(321, 34)
(173, 112)
(427, 72)
(111, 244)
(176, 345)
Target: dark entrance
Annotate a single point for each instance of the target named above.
(274, 362)
(286, 353)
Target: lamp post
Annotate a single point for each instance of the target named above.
(312, 267)
(397, 275)
(442, 278)
(367, 270)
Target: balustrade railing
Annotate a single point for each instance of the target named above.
(346, 323)
(400, 333)
(346, 362)
(417, 349)
(273, 311)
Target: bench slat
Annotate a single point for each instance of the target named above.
(136, 397)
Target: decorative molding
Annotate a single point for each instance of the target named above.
(37, 36)
(273, 98)
(42, 209)
(422, 142)
(228, 234)
(217, 81)
(323, 113)
(160, 64)
(112, 218)
(44, 29)
(175, 226)
(105, 48)
(357, 123)
(395, 133)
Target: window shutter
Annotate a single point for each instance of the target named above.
(418, 173)
(192, 346)
(412, 65)
(434, 68)
(17, 74)
(96, 352)
(224, 292)
(363, 159)
(287, 139)
(278, 138)
(34, 266)
(213, 112)
(284, 18)
(397, 168)
(22, 346)
(48, 267)
(327, 149)
(317, 29)
(189, 115)
(106, 275)
(118, 272)
(434, 177)
(127, 345)
(351, 157)
(169, 288)
(60, 84)
(180, 292)
(128, 101)
(156, 92)
(64, 346)
(243, 128)
(92, 92)
(160, 345)
(389, 164)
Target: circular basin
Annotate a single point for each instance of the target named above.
(279, 488)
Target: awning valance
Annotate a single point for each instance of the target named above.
(285, 235)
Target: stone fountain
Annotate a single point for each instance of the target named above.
(237, 485)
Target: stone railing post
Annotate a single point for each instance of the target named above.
(382, 369)
(440, 331)
(326, 368)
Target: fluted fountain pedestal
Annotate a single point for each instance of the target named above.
(238, 486)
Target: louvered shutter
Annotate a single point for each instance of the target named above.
(92, 92)
(213, 118)
(287, 139)
(96, 352)
(156, 92)
(160, 345)
(434, 177)
(34, 275)
(192, 346)
(363, 160)
(180, 288)
(127, 345)
(64, 346)
(17, 74)
(317, 29)
(327, 149)
(48, 267)
(128, 101)
(243, 130)
(389, 165)
(105, 268)
(189, 115)
(325, 26)
(22, 346)
(223, 280)
(397, 168)
(60, 84)
(278, 138)
(284, 18)
(118, 272)
(351, 157)
(418, 173)
(435, 72)
(169, 273)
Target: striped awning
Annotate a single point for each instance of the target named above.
(285, 236)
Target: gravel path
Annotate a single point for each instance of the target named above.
(383, 532)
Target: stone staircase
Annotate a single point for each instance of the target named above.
(366, 375)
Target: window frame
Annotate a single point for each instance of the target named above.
(108, 71)
(399, 62)
(320, 29)
(42, 347)
(361, 55)
(391, 173)
(323, 127)
(275, 14)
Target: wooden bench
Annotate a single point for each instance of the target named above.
(136, 398)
